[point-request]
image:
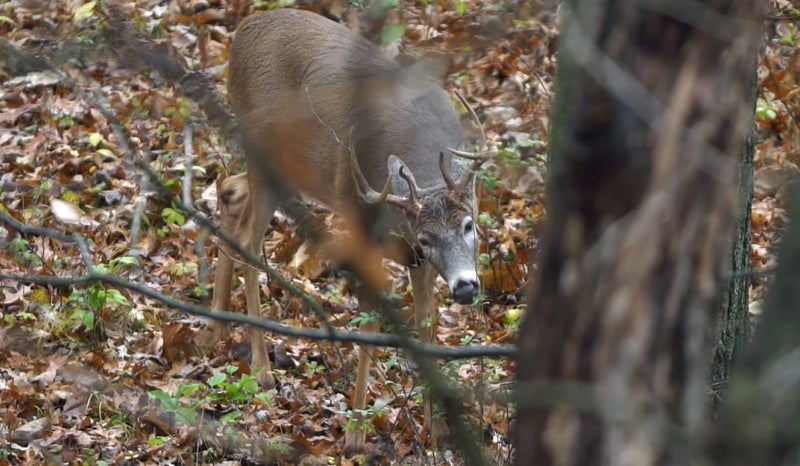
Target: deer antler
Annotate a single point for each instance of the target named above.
(410, 204)
(477, 158)
(445, 173)
(474, 156)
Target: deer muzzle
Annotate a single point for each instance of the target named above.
(465, 287)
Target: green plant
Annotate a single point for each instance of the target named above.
(42, 189)
(123, 263)
(272, 4)
(765, 110)
(365, 318)
(183, 268)
(236, 391)
(184, 413)
(393, 362)
(87, 10)
(158, 441)
(467, 340)
(513, 317)
(22, 252)
(219, 388)
(64, 121)
(486, 220)
(488, 175)
(495, 370)
(83, 306)
(392, 32)
(313, 368)
(280, 448)
(173, 216)
(788, 38)
(19, 318)
(361, 419)
(335, 296)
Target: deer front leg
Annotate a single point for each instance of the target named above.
(355, 437)
(221, 299)
(259, 350)
(261, 208)
(356, 434)
(233, 198)
(422, 281)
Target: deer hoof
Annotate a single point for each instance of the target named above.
(439, 432)
(219, 330)
(266, 380)
(354, 441)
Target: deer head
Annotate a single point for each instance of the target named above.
(441, 222)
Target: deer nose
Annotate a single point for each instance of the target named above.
(465, 290)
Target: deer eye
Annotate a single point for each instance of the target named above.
(469, 226)
(424, 241)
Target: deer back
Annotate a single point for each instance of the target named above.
(308, 90)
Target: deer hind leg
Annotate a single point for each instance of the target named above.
(422, 281)
(355, 436)
(245, 218)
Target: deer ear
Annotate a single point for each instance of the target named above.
(459, 169)
(399, 184)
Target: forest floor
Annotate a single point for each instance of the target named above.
(93, 372)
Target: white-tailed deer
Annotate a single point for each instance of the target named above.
(325, 113)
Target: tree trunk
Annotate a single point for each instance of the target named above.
(649, 119)
(758, 423)
(733, 328)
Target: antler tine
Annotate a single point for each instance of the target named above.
(474, 156)
(451, 185)
(365, 191)
(412, 189)
(372, 197)
(484, 141)
(477, 158)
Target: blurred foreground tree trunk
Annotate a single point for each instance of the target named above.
(648, 125)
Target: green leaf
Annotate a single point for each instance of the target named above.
(461, 7)
(105, 152)
(86, 318)
(173, 217)
(231, 417)
(129, 261)
(188, 390)
(249, 385)
(265, 398)
(95, 139)
(85, 11)
(170, 403)
(157, 441)
(392, 32)
(115, 297)
(216, 380)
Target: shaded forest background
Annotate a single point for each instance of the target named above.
(106, 147)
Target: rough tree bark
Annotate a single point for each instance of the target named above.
(733, 327)
(648, 124)
(758, 423)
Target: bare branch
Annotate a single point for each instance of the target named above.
(93, 275)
